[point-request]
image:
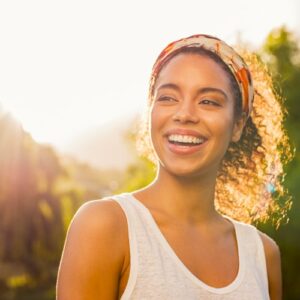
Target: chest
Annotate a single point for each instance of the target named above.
(213, 260)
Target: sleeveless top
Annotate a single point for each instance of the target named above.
(156, 272)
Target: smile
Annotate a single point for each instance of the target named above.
(185, 144)
(185, 139)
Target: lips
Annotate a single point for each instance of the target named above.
(187, 132)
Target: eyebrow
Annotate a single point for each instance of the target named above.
(199, 91)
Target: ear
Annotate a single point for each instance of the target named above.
(238, 128)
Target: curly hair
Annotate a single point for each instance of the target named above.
(249, 184)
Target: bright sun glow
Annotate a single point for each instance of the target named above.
(66, 66)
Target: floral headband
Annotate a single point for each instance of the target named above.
(228, 55)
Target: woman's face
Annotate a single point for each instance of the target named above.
(192, 116)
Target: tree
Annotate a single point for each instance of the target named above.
(40, 190)
(281, 52)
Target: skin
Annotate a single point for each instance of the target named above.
(96, 260)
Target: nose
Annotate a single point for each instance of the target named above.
(186, 113)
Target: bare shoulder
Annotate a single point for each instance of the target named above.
(100, 220)
(94, 252)
(104, 215)
(102, 224)
(271, 248)
(273, 261)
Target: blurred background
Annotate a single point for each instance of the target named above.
(73, 87)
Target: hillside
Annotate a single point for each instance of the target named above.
(106, 146)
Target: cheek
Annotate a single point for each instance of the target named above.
(221, 125)
(158, 117)
(222, 118)
(153, 123)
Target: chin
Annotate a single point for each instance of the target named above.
(191, 169)
(182, 172)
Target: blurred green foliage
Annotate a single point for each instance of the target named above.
(281, 52)
(39, 193)
(41, 190)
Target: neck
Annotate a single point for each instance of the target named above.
(189, 199)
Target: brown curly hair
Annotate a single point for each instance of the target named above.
(250, 180)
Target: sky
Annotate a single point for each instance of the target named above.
(68, 66)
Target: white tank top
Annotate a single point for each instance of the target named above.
(156, 272)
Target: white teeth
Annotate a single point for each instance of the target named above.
(185, 139)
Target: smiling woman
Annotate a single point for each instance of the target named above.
(199, 109)
(185, 236)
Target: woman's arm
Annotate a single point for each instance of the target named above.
(273, 261)
(93, 257)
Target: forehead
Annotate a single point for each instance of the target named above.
(193, 69)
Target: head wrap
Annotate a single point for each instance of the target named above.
(227, 54)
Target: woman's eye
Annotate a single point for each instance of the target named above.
(166, 98)
(210, 102)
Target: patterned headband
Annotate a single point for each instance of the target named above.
(228, 55)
